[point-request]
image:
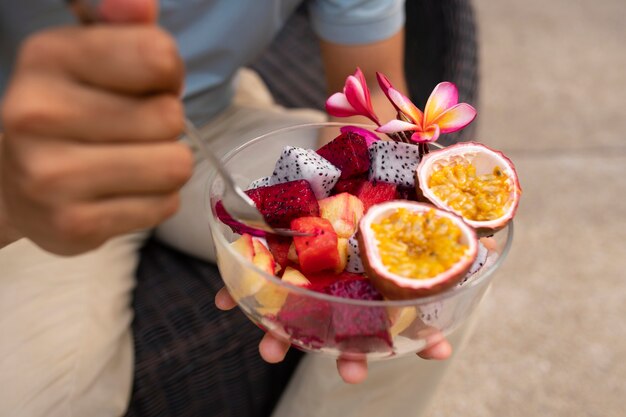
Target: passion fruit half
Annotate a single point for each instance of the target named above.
(473, 181)
(412, 250)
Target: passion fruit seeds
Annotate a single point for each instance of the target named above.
(473, 181)
(418, 245)
(411, 249)
(477, 197)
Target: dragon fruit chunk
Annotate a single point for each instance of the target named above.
(479, 262)
(354, 263)
(349, 185)
(349, 153)
(371, 193)
(369, 136)
(359, 328)
(234, 225)
(306, 319)
(305, 164)
(261, 182)
(393, 162)
(281, 203)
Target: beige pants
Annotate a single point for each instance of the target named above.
(65, 341)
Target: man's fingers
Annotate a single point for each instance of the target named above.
(129, 11)
(129, 59)
(54, 173)
(116, 216)
(223, 300)
(441, 350)
(273, 350)
(352, 371)
(43, 105)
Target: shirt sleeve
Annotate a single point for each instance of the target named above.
(356, 22)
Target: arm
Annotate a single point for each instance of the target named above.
(90, 119)
(386, 56)
(8, 234)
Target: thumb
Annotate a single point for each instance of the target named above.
(115, 11)
(129, 11)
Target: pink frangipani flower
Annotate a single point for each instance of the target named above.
(354, 101)
(443, 112)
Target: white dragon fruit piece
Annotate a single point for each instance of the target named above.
(261, 182)
(302, 164)
(393, 162)
(354, 263)
(479, 262)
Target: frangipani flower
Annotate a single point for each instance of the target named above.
(443, 112)
(354, 101)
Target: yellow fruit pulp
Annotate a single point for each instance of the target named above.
(418, 245)
(477, 197)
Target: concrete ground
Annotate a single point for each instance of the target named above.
(552, 339)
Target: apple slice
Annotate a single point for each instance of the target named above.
(272, 297)
(250, 281)
(343, 211)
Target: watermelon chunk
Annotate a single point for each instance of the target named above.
(318, 252)
(371, 193)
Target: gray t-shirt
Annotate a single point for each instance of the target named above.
(216, 37)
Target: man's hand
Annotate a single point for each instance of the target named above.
(273, 350)
(91, 118)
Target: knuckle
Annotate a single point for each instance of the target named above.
(73, 224)
(161, 56)
(180, 166)
(171, 114)
(43, 177)
(170, 206)
(41, 48)
(25, 110)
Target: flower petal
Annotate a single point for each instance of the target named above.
(357, 95)
(455, 118)
(405, 106)
(338, 105)
(369, 136)
(429, 135)
(444, 96)
(394, 126)
(383, 82)
(358, 74)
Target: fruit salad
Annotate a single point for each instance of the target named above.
(387, 216)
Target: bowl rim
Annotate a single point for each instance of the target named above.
(438, 297)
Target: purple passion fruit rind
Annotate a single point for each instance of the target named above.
(485, 160)
(397, 287)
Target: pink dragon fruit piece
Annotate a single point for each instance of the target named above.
(349, 185)
(281, 203)
(307, 320)
(369, 136)
(234, 225)
(349, 153)
(357, 328)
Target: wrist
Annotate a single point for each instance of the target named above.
(8, 234)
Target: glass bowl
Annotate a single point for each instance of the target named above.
(320, 323)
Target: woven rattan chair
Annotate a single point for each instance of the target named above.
(192, 360)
